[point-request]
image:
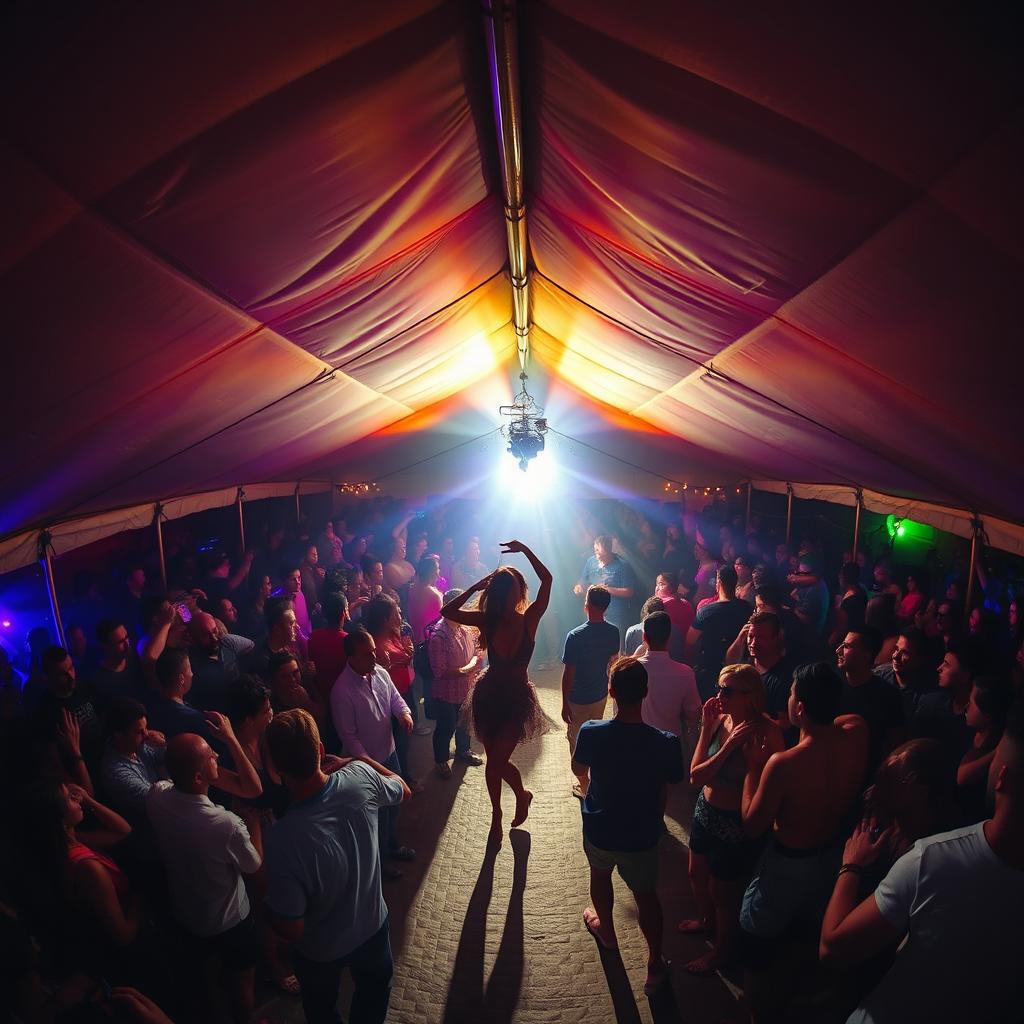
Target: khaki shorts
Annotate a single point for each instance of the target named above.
(584, 713)
(638, 868)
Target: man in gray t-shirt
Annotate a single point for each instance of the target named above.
(323, 870)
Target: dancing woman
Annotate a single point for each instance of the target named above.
(504, 705)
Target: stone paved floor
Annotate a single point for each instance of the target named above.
(496, 940)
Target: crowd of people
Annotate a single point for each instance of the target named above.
(206, 781)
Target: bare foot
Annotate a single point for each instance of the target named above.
(522, 808)
(693, 926)
(706, 964)
(605, 936)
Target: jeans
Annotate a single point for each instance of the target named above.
(372, 974)
(446, 722)
(387, 818)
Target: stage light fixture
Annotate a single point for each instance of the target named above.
(525, 428)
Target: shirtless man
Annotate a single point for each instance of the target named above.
(804, 796)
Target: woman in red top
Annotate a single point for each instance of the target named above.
(99, 917)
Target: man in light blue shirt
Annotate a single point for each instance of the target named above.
(133, 760)
(323, 871)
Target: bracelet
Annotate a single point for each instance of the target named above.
(852, 869)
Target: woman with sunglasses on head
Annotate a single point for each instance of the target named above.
(722, 856)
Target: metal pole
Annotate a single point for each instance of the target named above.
(750, 491)
(856, 521)
(500, 26)
(298, 507)
(158, 516)
(975, 532)
(46, 557)
(241, 517)
(789, 511)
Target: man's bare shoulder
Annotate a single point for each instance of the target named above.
(803, 751)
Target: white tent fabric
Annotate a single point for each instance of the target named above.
(253, 242)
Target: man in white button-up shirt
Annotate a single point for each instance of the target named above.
(363, 702)
(206, 850)
(672, 703)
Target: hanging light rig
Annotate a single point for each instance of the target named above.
(525, 428)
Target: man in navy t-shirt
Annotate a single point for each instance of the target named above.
(588, 651)
(630, 765)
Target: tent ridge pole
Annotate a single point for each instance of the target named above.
(501, 28)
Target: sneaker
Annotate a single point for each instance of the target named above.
(469, 758)
(443, 769)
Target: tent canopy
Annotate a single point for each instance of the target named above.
(256, 243)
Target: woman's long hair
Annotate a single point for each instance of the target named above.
(496, 602)
(45, 838)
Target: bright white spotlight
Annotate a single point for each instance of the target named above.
(529, 484)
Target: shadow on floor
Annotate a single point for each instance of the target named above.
(421, 823)
(662, 1003)
(469, 999)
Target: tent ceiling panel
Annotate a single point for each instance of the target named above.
(929, 306)
(32, 207)
(983, 190)
(326, 415)
(97, 468)
(883, 428)
(106, 326)
(123, 85)
(449, 352)
(909, 87)
(325, 177)
(692, 174)
(586, 348)
(347, 320)
(683, 313)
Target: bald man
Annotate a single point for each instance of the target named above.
(214, 654)
(206, 850)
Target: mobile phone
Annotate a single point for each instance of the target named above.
(186, 615)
